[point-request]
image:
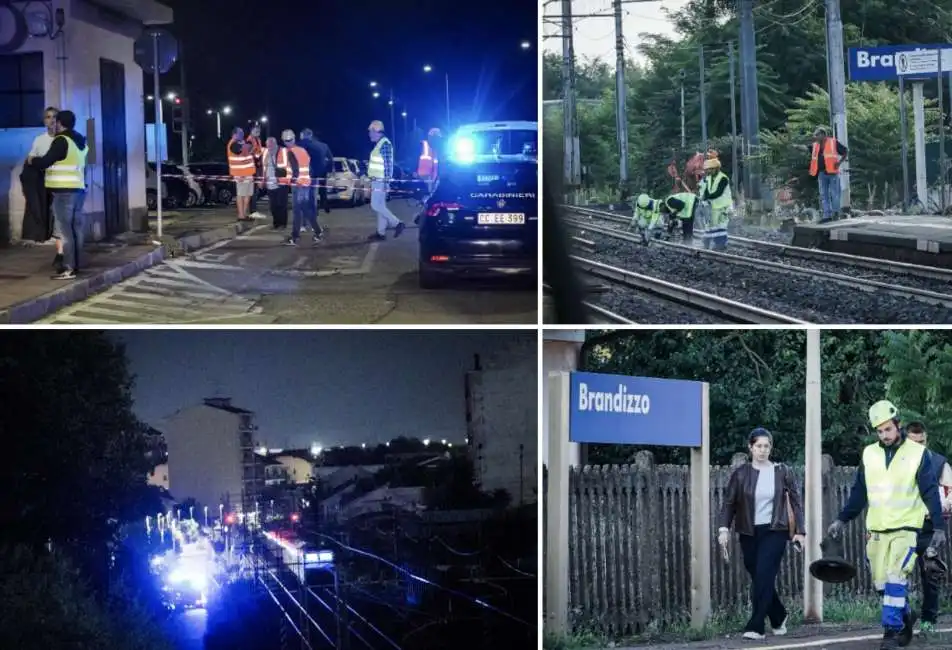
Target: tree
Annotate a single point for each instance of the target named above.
(791, 62)
(757, 378)
(74, 468)
(875, 142)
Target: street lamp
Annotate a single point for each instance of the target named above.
(376, 94)
(150, 97)
(171, 97)
(264, 119)
(429, 68)
(218, 113)
(525, 45)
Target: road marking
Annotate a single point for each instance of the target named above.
(294, 271)
(852, 639)
(161, 294)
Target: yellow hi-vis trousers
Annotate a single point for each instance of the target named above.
(892, 557)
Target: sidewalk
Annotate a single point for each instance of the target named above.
(818, 637)
(27, 292)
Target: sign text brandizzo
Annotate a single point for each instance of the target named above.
(619, 401)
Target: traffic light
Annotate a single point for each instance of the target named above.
(178, 114)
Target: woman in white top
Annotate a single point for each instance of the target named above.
(763, 503)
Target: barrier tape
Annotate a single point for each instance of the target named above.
(315, 182)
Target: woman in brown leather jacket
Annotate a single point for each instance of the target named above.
(763, 503)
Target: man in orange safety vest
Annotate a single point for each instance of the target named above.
(825, 159)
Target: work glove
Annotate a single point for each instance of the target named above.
(835, 529)
(938, 541)
(723, 537)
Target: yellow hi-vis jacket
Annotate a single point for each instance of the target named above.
(893, 493)
(70, 172)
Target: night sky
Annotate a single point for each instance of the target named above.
(329, 387)
(309, 64)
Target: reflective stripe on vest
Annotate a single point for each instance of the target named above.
(725, 200)
(831, 158)
(688, 199)
(281, 162)
(304, 165)
(425, 166)
(70, 172)
(893, 492)
(239, 164)
(375, 166)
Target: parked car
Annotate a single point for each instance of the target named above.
(215, 181)
(177, 191)
(344, 183)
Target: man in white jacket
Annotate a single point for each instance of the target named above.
(41, 145)
(916, 431)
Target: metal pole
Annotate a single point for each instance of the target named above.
(904, 127)
(339, 613)
(157, 136)
(393, 125)
(185, 108)
(734, 161)
(572, 166)
(748, 57)
(620, 109)
(834, 25)
(683, 134)
(813, 480)
(448, 100)
(703, 100)
(942, 160)
(218, 122)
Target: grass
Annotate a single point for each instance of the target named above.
(845, 610)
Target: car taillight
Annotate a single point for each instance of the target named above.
(435, 209)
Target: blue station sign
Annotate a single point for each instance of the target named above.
(878, 63)
(618, 409)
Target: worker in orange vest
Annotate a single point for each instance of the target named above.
(254, 139)
(429, 165)
(302, 192)
(241, 167)
(825, 160)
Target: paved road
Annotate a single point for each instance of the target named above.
(187, 629)
(344, 280)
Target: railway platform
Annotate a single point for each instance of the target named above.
(915, 239)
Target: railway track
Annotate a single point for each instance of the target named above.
(821, 292)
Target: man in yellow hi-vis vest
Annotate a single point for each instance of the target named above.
(895, 481)
(65, 165)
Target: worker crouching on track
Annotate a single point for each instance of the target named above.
(896, 483)
(647, 218)
(715, 191)
(681, 207)
(761, 499)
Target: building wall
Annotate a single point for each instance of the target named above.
(159, 476)
(503, 421)
(299, 470)
(204, 455)
(88, 36)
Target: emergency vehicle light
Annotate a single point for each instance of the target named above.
(464, 149)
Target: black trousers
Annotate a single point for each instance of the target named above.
(763, 552)
(278, 198)
(687, 228)
(930, 586)
(322, 203)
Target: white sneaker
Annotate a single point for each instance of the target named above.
(754, 636)
(258, 215)
(782, 630)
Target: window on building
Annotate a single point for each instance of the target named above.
(22, 93)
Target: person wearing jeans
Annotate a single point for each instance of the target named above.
(760, 500)
(827, 155)
(65, 178)
(380, 171)
(274, 161)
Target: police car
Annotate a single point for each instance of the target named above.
(482, 220)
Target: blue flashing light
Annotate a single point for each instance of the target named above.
(196, 580)
(464, 149)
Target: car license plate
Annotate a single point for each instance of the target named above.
(501, 218)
